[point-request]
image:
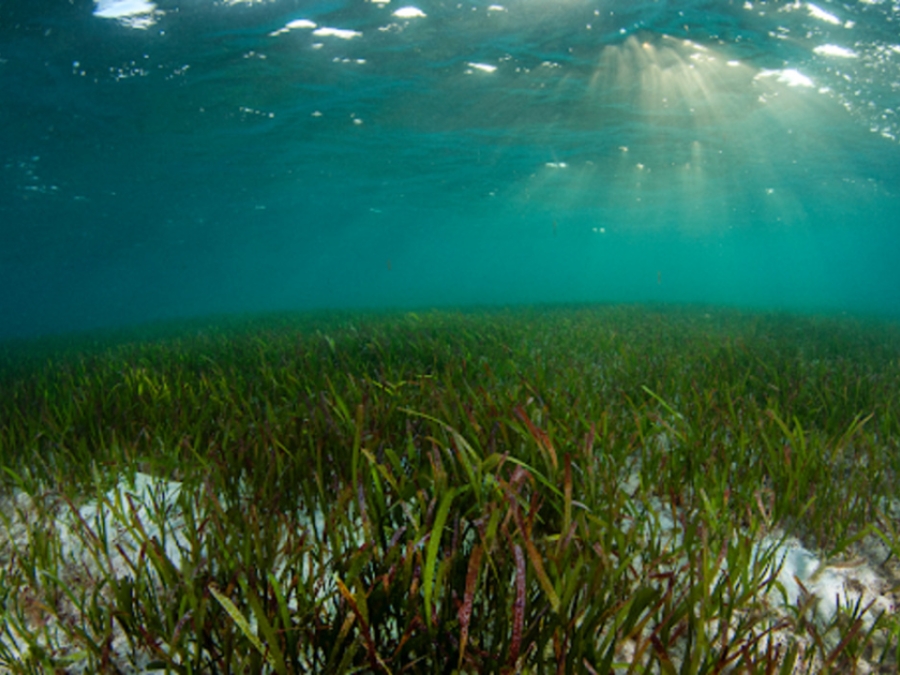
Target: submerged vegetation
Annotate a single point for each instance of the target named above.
(599, 489)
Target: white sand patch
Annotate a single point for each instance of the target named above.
(125, 520)
(133, 528)
(801, 578)
(109, 537)
(100, 539)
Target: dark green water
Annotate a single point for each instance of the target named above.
(194, 157)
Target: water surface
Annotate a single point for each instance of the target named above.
(188, 157)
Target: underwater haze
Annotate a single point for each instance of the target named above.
(182, 158)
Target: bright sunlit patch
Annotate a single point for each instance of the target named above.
(483, 67)
(293, 25)
(556, 165)
(496, 8)
(116, 9)
(788, 76)
(409, 13)
(132, 13)
(341, 33)
(817, 12)
(835, 50)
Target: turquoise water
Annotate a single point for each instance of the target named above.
(190, 157)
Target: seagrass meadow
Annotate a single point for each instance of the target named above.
(585, 489)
